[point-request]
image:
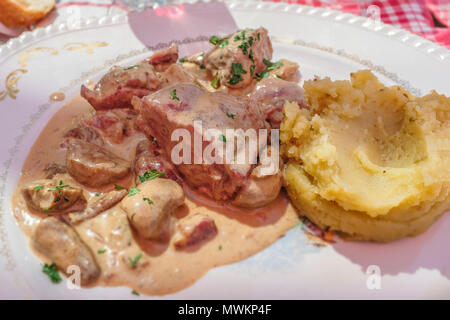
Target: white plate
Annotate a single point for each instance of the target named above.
(325, 43)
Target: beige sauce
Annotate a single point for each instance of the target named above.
(57, 96)
(162, 269)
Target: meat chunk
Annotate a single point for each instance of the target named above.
(112, 125)
(120, 84)
(194, 230)
(149, 157)
(92, 165)
(59, 243)
(97, 205)
(272, 93)
(53, 195)
(149, 210)
(176, 73)
(264, 183)
(240, 57)
(219, 111)
(162, 59)
(85, 133)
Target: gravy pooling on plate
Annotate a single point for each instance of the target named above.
(99, 189)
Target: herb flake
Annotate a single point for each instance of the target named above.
(131, 67)
(237, 70)
(215, 40)
(149, 201)
(135, 260)
(230, 115)
(215, 82)
(150, 175)
(133, 191)
(272, 65)
(173, 95)
(52, 272)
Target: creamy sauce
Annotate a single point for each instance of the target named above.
(162, 269)
(57, 96)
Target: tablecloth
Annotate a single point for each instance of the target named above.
(428, 18)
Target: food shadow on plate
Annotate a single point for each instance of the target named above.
(408, 255)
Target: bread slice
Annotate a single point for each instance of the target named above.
(19, 13)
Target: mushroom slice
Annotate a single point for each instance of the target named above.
(99, 204)
(54, 195)
(264, 183)
(59, 243)
(150, 208)
(92, 165)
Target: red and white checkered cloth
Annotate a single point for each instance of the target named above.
(413, 15)
(418, 16)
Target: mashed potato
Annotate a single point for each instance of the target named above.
(370, 161)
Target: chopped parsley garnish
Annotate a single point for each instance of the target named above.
(222, 138)
(262, 75)
(202, 66)
(59, 187)
(150, 175)
(244, 47)
(215, 82)
(250, 56)
(258, 36)
(135, 260)
(117, 187)
(98, 194)
(241, 36)
(173, 95)
(279, 77)
(215, 40)
(38, 187)
(135, 293)
(252, 69)
(52, 272)
(220, 247)
(66, 199)
(184, 59)
(148, 200)
(223, 44)
(237, 70)
(272, 65)
(133, 191)
(230, 115)
(131, 67)
(101, 251)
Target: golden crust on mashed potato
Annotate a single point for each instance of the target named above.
(369, 161)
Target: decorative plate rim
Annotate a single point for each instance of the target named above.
(404, 36)
(52, 30)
